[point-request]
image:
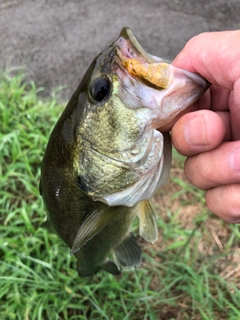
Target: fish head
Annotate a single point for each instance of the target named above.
(126, 97)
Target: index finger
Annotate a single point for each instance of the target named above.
(214, 55)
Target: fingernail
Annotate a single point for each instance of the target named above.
(194, 131)
(235, 159)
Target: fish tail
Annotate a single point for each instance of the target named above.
(111, 267)
(87, 271)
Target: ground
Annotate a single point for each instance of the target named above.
(56, 40)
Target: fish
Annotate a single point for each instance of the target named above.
(106, 156)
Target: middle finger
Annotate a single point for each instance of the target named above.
(220, 166)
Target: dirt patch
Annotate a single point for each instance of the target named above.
(191, 213)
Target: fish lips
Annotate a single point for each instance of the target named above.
(166, 90)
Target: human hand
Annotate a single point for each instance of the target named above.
(210, 136)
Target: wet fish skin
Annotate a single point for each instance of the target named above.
(105, 158)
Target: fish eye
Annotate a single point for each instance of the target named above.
(100, 88)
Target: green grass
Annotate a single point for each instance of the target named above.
(38, 279)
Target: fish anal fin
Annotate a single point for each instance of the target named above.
(147, 221)
(128, 253)
(91, 226)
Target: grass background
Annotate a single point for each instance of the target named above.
(191, 272)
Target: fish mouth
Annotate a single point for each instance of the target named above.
(168, 91)
(129, 47)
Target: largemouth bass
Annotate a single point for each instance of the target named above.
(106, 156)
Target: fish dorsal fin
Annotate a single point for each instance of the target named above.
(91, 226)
(147, 221)
(128, 253)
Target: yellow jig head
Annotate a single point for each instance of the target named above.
(159, 74)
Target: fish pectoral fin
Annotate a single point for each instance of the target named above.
(111, 267)
(128, 253)
(147, 221)
(91, 226)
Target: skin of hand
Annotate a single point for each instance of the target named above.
(209, 135)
